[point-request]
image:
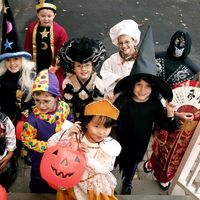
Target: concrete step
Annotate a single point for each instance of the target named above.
(29, 196)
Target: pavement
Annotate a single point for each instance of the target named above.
(95, 18)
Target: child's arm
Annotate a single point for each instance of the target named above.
(170, 106)
(10, 135)
(5, 160)
(10, 143)
(103, 162)
(67, 131)
(29, 139)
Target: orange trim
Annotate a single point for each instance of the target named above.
(34, 42)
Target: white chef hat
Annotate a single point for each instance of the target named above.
(125, 27)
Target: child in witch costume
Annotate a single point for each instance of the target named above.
(8, 165)
(17, 74)
(100, 149)
(140, 111)
(45, 37)
(47, 117)
(79, 58)
(126, 36)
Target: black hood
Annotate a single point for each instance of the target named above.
(188, 43)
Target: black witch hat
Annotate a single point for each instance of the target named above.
(11, 44)
(145, 66)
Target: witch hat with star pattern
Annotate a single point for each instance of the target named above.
(11, 44)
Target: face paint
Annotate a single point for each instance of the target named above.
(178, 52)
(179, 45)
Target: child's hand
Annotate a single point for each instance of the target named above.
(185, 116)
(5, 160)
(170, 106)
(25, 113)
(75, 129)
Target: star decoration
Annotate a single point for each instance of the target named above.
(7, 44)
(5, 9)
(44, 33)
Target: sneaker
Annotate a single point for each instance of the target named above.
(147, 166)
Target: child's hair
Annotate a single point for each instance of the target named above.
(107, 121)
(154, 93)
(37, 93)
(26, 78)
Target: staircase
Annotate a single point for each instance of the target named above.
(144, 187)
(29, 196)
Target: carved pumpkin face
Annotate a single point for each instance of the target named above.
(3, 193)
(61, 166)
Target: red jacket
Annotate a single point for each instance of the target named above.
(60, 36)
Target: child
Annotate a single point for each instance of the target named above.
(47, 118)
(140, 111)
(126, 36)
(16, 71)
(17, 74)
(8, 164)
(100, 150)
(45, 37)
(80, 58)
(174, 66)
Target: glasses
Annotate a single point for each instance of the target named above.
(84, 65)
(44, 103)
(125, 43)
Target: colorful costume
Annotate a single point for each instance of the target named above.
(169, 147)
(44, 46)
(15, 87)
(76, 92)
(97, 181)
(39, 127)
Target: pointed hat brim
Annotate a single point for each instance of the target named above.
(126, 84)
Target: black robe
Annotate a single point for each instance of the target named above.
(136, 123)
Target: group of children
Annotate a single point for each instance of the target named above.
(114, 116)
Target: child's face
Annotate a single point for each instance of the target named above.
(46, 17)
(83, 71)
(45, 102)
(126, 45)
(13, 64)
(141, 91)
(96, 131)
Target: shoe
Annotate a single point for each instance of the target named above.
(147, 167)
(126, 189)
(164, 186)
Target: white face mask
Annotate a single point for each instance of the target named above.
(178, 52)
